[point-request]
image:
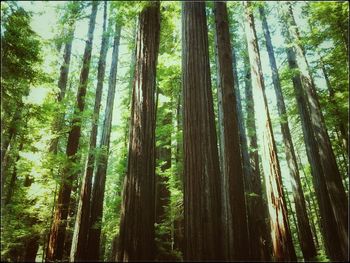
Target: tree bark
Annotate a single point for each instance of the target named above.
(283, 249)
(32, 246)
(202, 200)
(327, 220)
(230, 140)
(136, 240)
(57, 234)
(96, 208)
(338, 198)
(80, 236)
(259, 234)
(305, 235)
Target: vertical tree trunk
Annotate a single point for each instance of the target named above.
(240, 118)
(57, 234)
(305, 235)
(136, 240)
(283, 249)
(230, 140)
(81, 228)
(32, 246)
(202, 201)
(328, 223)
(338, 198)
(259, 234)
(96, 209)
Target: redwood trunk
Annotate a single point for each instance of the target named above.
(96, 209)
(230, 140)
(31, 250)
(337, 195)
(327, 220)
(202, 200)
(283, 249)
(136, 240)
(304, 231)
(58, 229)
(80, 236)
(259, 235)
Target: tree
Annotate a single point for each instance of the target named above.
(304, 230)
(201, 161)
(257, 208)
(332, 176)
(20, 60)
(70, 17)
(230, 141)
(283, 248)
(136, 238)
(82, 220)
(57, 234)
(98, 190)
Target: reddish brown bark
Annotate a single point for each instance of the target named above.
(136, 236)
(283, 249)
(202, 201)
(259, 235)
(304, 231)
(230, 142)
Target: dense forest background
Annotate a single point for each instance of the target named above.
(164, 130)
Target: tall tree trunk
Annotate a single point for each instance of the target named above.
(230, 140)
(305, 234)
(96, 209)
(57, 234)
(338, 198)
(136, 240)
(259, 235)
(202, 200)
(283, 249)
(81, 228)
(242, 133)
(62, 85)
(327, 220)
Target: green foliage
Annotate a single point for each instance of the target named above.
(20, 60)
